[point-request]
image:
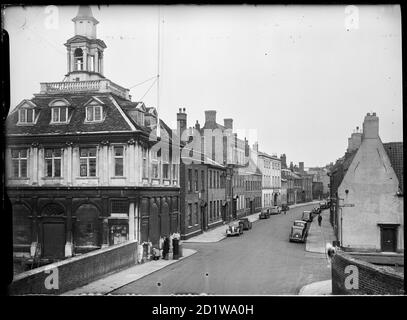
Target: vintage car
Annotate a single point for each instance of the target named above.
(323, 205)
(297, 234)
(285, 207)
(234, 228)
(265, 214)
(275, 210)
(300, 223)
(247, 225)
(306, 216)
(303, 224)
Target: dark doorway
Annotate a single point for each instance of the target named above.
(388, 238)
(234, 206)
(251, 206)
(53, 240)
(204, 223)
(275, 199)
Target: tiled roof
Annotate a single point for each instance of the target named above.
(339, 169)
(114, 120)
(395, 152)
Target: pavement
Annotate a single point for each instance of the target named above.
(319, 236)
(317, 239)
(319, 288)
(119, 279)
(219, 233)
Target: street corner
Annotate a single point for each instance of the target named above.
(319, 288)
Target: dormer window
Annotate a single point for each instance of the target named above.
(94, 114)
(59, 115)
(59, 111)
(26, 116)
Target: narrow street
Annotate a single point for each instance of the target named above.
(261, 261)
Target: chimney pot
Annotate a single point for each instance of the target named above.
(183, 110)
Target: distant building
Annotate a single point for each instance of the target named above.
(321, 175)
(203, 184)
(293, 185)
(317, 190)
(368, 193)
(265, 161)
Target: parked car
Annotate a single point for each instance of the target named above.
(285, 207)
(297, 234)
(323, 205)
(303, 224)
(265, 214)
(275, 210)
(300, 223)
(306, 216)
(234, 228)
(247, 225)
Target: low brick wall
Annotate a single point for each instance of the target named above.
(76, 271)
(371, 279)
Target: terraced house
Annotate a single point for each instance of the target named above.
(84, 169)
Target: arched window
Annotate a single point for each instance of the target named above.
(78, 59)
(59, 111)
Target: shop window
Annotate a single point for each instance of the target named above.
(21, 225)
(119, 206)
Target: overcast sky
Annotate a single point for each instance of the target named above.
(303, 76)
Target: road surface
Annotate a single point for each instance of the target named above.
(260, 262)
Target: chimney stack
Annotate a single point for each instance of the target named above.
(197, 126)
(256, 147)
(181, 121)
(301, 166)
(283, 159)
(371, 126)
(210, 116)
(228, 123)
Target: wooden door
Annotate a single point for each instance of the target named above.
(389, 239)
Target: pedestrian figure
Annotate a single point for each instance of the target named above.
(319, 220)
(166, 248)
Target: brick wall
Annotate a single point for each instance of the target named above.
(76, 271)
(373, 279)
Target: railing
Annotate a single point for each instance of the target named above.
(103, 85)
(52, 87)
